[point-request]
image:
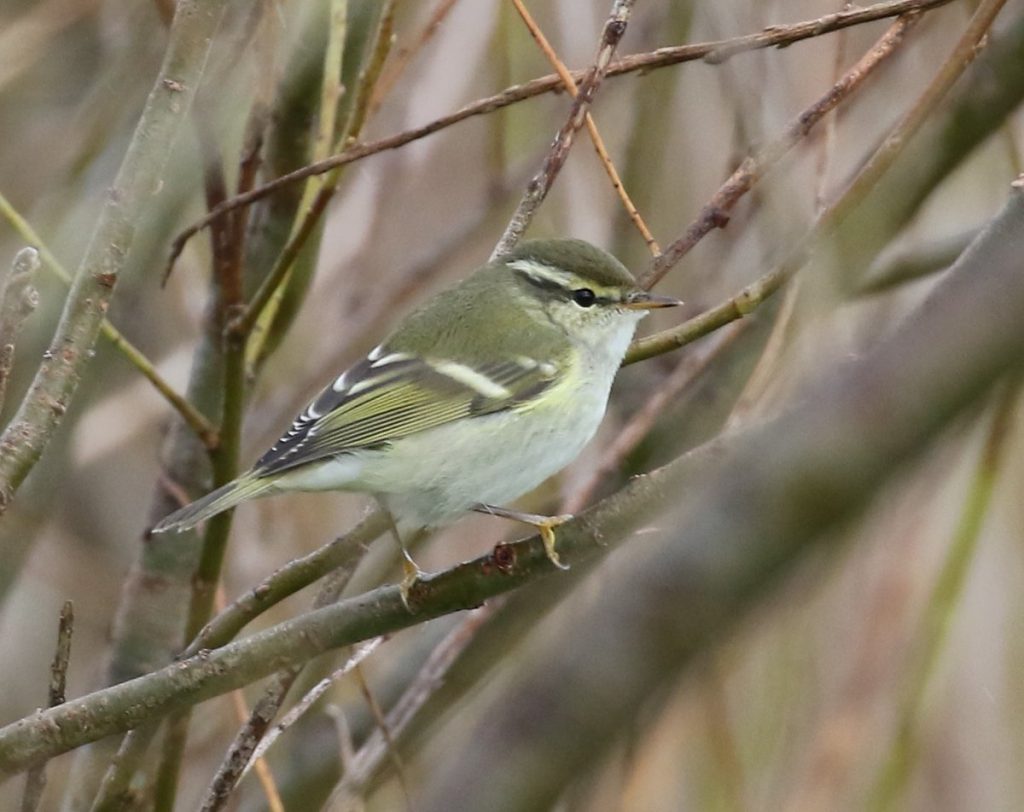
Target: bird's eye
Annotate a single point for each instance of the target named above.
(584, 297)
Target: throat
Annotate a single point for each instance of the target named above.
(607, 350)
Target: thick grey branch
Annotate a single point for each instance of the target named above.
(788, 481)
(138, 179)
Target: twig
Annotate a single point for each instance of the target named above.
(826, 154)
(388, 736)
(301, 707)
(259, 766)
(205, 430)
(764, 373)
(733, 308)
(289, 579)
(35, 781)
(595, 136)
(369, 759)
(18, 298)
(717, 51)
(715, 214)
(403, 56)
(538, 187)
(890, 271)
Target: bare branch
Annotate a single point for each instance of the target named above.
(35, 781)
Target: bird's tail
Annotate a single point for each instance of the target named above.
(227, 496)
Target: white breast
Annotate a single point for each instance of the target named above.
(431, 477)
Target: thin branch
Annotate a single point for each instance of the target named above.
(301, 707)
(289, 579)
(370, 758)
(539, 186)
(595, 135)
(715, 52)
(194, 419)
(242, 750)
(260, 766)
(715, 214)
(404, 56)
(912, 263)
(18, 299)
(35, 781)
(826, 154)
(387, 734)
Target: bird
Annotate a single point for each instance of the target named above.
(475, 398)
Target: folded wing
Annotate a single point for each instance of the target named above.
(390, 395)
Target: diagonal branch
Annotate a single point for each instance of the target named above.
(592, 131)
(195, 420)
(57, 378)
(715, 213)
(539, 186)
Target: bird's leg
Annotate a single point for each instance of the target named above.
(411, 573)
(545, 525)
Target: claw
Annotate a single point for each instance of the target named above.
(411, 574)
(545, 524)
(547, 535)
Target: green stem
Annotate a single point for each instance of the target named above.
(193, 418)
(256, 321)
(941, 607)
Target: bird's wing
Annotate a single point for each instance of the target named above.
(389, 395)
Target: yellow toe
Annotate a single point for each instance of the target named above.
(547, 535)
(411, 574)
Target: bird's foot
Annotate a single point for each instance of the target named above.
(545, 525)
(411, 574)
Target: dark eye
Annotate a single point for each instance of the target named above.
(584, 297)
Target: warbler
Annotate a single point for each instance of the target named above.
(476, 397)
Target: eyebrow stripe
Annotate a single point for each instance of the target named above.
(547, 278)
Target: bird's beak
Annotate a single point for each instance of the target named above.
(642, 300)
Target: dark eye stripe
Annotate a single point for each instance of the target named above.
(561, 290)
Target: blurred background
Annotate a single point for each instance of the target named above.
(896, 655)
